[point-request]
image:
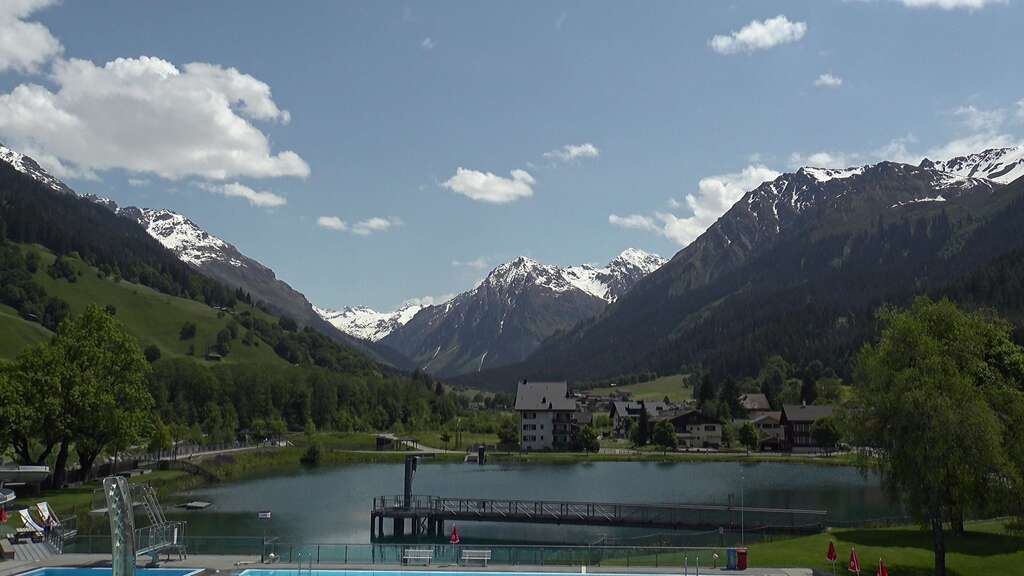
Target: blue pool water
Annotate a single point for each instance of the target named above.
(107, 572)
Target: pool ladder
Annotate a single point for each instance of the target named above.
(309, 564)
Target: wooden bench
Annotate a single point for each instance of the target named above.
(481, 556)
(417, 557)
(6, 550)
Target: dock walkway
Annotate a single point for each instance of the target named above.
(427, 515)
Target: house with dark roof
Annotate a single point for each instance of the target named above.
(546, 416)
(624, 412)
(693, 428)
(770, 432)
(797, 420)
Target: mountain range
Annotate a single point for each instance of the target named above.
(215, 258)
(504, 318)
(798, 267)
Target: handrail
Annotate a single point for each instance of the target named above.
(437, 502)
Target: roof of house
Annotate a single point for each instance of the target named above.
(803, 413)
(544, 396)
(691, 415)
(762, 416)
(631, 408)
(755, 402)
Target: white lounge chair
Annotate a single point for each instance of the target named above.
(47, 515)
(30, 522)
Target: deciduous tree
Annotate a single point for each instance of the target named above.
(938, 401)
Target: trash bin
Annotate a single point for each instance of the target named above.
(730, 559)
(741, 558)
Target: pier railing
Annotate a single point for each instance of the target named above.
(673, 516)
(444, 554)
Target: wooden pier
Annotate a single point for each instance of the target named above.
(427, 514)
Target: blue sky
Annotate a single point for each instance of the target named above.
(327, 141)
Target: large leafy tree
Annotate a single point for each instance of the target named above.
(85, 388)
(939, 401)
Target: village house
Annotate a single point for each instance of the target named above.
(755, 403)
(770, 432)
(797, 420)
(693, 428)
(624, 412)
(546, 416)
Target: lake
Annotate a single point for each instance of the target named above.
(332, 505)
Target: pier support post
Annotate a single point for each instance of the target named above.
(399, 528)
(380, 526)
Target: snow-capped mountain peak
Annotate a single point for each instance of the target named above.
(1003, 165)
(190, 243)
(366, 323)
(26, 165)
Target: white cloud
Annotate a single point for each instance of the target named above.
(331, 223)
(25, 46)
(361, 228)
(261, 199)
(145, 115)
(477, 264)
(635, 222)
(970, 144)
(430, 300)
(828, 80)
(823, 160)
(374, 224)
(979, 119)
(427, 44)
(714, 196)
(951, 4)
(571, 152)
(138, 182)
(759, 35)
(488, 187)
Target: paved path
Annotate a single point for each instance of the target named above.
(231, 564)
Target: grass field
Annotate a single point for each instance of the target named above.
(433, 440)
(986, 548)
(17, 334)
(150, 316)
(672, 386)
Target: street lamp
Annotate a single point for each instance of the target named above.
(743, 541)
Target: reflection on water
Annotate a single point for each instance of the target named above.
(333, 504)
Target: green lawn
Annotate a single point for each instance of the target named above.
(672, 386)
(16, 334)
(150, 316)
(985, 549)
(433, 439)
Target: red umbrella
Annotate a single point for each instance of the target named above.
(854, 562)
(455, 536)
(831, 556)
(882, 570)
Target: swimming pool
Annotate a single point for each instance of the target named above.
(262, 572)
(108, 572)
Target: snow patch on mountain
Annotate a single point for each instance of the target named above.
(1003, 165)
(366, 323)
(510, 279)
(26, 165)
(189, 242)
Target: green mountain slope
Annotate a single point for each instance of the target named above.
(16, 333)
(150, 316)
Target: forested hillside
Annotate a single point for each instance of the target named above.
(809, 292)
